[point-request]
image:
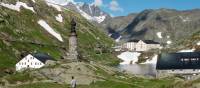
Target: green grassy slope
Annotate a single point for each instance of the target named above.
(21, 34)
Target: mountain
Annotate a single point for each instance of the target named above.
(163, 25)
(90, 11)
(116, 24)
(30, 26)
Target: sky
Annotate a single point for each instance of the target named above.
(125, 7)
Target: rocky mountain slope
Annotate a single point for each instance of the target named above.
(114, 25)
(172, 25)
(163, 25)
(30, 26)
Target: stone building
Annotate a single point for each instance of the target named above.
(186, 64)
(140, 45)
(72, 53)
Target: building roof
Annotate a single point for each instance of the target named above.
(134, 40)
(145, 41)
(150, 42)
(43, 57)
(183, 60)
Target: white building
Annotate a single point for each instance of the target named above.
(140, 45)
(33, 61)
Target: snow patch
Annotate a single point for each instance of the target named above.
(53, 4)
(160, 47)
(118, 39)
(186, 19)
(59, 18)
(152, 61)
(159, 34)
(168, 36)
(17, 6)
(33, 1)
(61, 2)
(88, 17)
(198, 43)
(169, 42)
(187, 50)
(129, 57)
(90, 8)
(50, 30)
(109, 35)
(99, 19)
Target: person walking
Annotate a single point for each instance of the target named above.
(73, 82)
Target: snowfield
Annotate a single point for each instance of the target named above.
(59, 18)
(152, 61)
(50, 30)
(129, 57)
(17, 6)
(159, 34)
(187, 50)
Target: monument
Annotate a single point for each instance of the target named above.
(72, 53)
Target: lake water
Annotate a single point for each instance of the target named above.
(140, 69)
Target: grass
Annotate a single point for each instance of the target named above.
(139, 83)
(19, 77)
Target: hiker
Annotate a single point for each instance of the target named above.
(73, 82)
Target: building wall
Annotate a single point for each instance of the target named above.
(139, 46)
(29, 62)
(163, 73)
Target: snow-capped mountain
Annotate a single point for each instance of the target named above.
(90, 11)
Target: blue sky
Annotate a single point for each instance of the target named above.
(124, 7)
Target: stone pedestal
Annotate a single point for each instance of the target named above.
(73, 54)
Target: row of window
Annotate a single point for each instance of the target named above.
(24, 63)
(30, 58)
(188, 59)
(182, 70)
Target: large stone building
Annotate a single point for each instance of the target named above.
(72, 53)
(186, 64)
(140, 45)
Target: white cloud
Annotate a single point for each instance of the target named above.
(114, 6)
(98, 2)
